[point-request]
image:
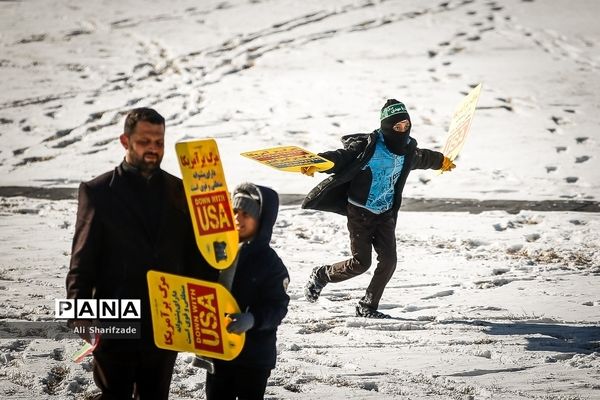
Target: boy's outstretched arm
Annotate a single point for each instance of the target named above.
(340, 158)
(429, 159)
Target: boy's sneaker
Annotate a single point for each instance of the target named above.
(315, 284)
(368, 312)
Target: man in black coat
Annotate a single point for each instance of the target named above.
(366, 186)
(258, 281)
(130, 220)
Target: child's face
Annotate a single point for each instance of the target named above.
(245, 225)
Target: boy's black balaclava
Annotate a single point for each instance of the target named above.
(393, 112)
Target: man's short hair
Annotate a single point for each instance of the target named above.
(141, 114)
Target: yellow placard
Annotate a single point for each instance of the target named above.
(289, 158)
(190, 315)
(208, 201)
(461, 123)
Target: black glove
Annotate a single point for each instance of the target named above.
(240, 322)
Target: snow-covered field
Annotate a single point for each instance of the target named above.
(486, 306)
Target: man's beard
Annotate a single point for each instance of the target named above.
(146, 167)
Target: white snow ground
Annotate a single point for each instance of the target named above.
(486, 306)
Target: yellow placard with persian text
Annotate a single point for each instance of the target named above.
(289, 158)
(190, 315)
(461, 124)
(208, 201)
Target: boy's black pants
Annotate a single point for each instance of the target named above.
(368, 230)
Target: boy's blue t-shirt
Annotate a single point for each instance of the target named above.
(385, 169)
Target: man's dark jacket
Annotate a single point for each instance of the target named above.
(259, 287)
(125, 227)
(332, 193)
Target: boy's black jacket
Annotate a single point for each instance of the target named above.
(259, 287)
(332, 193)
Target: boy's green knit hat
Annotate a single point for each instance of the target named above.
(393, 112)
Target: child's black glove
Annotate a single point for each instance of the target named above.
(240, 322)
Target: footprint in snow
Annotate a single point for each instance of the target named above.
(443, 293)
(559, 120)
